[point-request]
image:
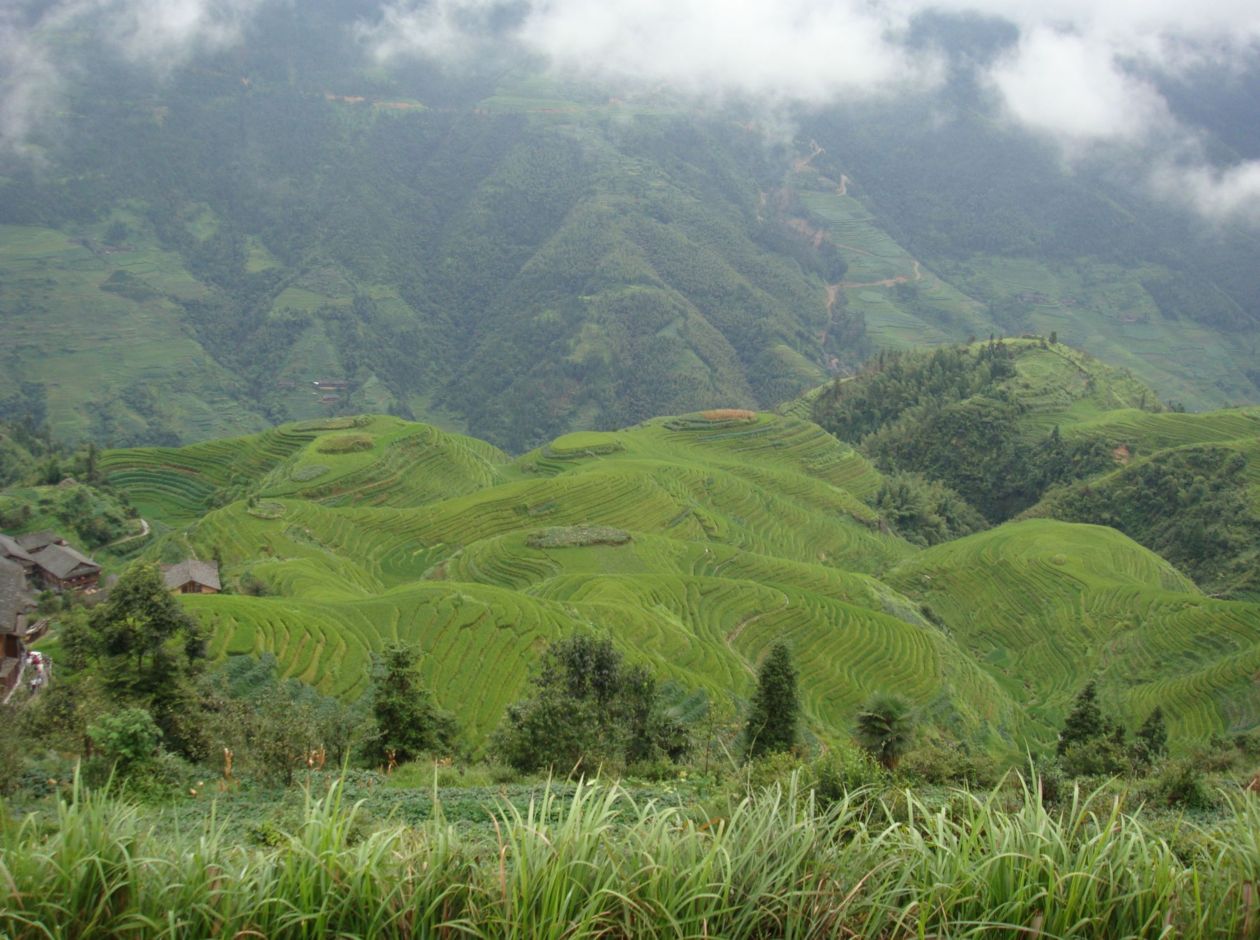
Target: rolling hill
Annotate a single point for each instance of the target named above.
(695, 542)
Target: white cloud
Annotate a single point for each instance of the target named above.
(801, 50)
(1063, 84)
(29, 83)
(168, 30)
(1076, 75)
(1229, 195)
(157, 33)
(448, 30)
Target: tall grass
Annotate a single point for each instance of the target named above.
(599, 863)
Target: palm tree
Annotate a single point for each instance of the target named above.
(885, 728)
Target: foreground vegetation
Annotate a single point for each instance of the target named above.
(778, 863)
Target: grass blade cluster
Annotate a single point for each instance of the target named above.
(599, 863)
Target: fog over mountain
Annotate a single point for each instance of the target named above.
(1089, 77)
(521, 218)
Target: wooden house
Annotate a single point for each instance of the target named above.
(16, 627)
(61, 567)
(12, 550)
(192, 577)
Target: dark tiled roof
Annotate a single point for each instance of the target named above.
(62, 561)
(202, 572)
(13, 597)
(34, 541)
(11, 548)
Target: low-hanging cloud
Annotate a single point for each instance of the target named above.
(157, 33)
(800, 50)
(1062, 84)
(1080, 74)
(1229, 195)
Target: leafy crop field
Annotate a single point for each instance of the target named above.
(733, 530)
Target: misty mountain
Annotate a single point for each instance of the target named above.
(275, 216)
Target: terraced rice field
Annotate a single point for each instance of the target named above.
(734, 532)
(1064, 601)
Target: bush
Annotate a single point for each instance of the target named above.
(126, 738)
(949, 762)
(589, 710)
(1181, 785)
(839, 773)
(1048, 775)
(1100, 757)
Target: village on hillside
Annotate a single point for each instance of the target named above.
(46, 562)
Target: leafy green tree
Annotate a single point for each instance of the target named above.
(588, 709)
(273, 726)
(146, 651)
(408, 723)
(143, 633)
(885, 727)
(776, 708)
(923, 511)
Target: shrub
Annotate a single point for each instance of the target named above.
(949, 762)
(126, 738)
(885, 727)
(840, 772)
(1181, 785)
(577, 536)
(589, 709)
(307, 472)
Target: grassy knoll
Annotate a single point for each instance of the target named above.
(733, 529)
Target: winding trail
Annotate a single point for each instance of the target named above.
(145, 529)
(886, 282)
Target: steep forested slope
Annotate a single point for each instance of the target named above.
(498, 250)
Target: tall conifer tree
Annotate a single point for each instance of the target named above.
(772, 722)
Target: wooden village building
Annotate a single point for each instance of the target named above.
(11, 550)
(49, 561)
(192, 577)
(17, 628)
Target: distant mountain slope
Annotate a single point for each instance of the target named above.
(695, 542)
(259, 237)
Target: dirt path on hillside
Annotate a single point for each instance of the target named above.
(886, 282)
(144, 531)
(802, 163)
(376, 102)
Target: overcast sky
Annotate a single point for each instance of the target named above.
(1073, 75)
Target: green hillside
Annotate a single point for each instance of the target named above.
(695, 542)
(1040, 429)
